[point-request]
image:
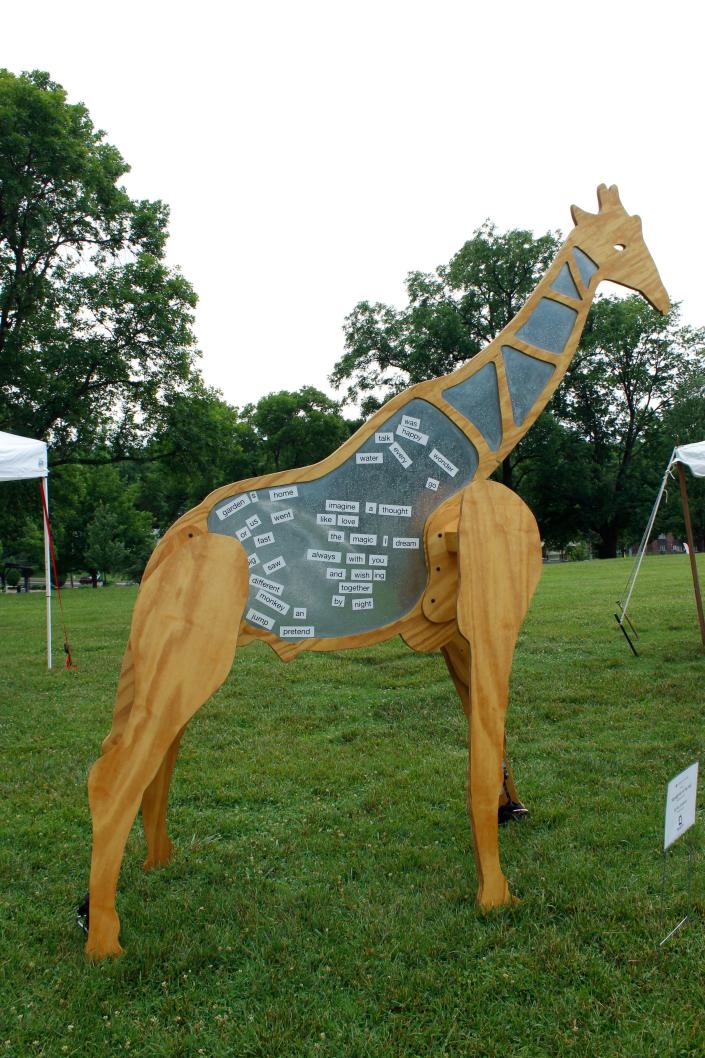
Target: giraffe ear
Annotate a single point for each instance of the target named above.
(579, 214)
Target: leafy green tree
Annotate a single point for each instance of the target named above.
(210, 445)
(105, 548)
(451, 314)
(554, 475)
(622, 381)
(295, 429)
(95, 330)
(82, 495)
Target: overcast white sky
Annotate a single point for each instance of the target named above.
(313, 153)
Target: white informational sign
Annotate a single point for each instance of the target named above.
(680, 804)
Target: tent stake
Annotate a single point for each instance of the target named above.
(691, 548)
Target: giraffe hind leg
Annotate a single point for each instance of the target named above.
(497, 580)
(154, 808)
(184, 633)
(457, 657)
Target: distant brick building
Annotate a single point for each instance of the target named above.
(665, 544)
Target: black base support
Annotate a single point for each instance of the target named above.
(83, 913)
(511, 810)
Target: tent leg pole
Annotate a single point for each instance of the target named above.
(691, 548)
(47, 576)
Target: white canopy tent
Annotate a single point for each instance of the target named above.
(22, 458)
(693, 457)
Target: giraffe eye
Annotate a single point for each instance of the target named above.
(619, 246)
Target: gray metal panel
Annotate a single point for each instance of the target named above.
(586, 265)
(549, 326)
(477, 398)
(564, 284)
(389, 495)
(527, 378)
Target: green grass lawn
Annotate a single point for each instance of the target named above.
(321, 898)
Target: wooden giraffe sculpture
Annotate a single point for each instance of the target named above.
(396, 533)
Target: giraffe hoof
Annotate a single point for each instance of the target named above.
(490, 896)
(103, 933)
(159, 856)
(96, 952)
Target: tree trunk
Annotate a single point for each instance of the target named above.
(607, 547)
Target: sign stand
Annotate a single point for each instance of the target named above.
(688, 905)
(681, 795)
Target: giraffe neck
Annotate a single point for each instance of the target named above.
(502, 390)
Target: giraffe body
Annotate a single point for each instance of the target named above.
(397, 532)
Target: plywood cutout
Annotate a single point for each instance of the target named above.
(396, 533)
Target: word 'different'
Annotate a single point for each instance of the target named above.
(268, 585)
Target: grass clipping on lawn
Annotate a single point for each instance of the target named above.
(321, 897)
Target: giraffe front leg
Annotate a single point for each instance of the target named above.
(184, 633)
(499, 564)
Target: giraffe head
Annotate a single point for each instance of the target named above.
(614, 241)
